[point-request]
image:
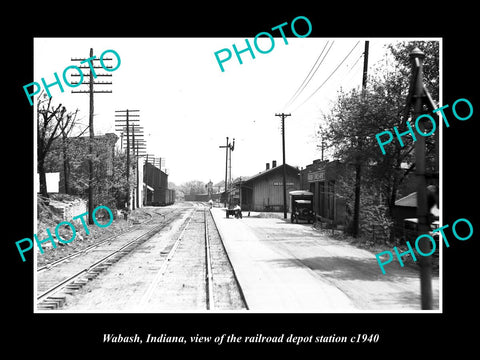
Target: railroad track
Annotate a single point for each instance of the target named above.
(52, 279)
(192, 272)
(95, 245)
(197, 250)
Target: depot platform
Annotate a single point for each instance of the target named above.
(270, 279)
(291, 268)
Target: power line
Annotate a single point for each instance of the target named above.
(355, 63)
(305, 82)
(329, 76)
(351, 71)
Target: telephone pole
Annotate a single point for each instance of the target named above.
(358, 163)
(125, 122)
(91, 91)
(139, 148)
(283, 116)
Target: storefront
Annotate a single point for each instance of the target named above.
(320, 178)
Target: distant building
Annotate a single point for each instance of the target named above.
(156, 183)
(264, 191)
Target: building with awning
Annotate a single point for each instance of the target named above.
(320, 178)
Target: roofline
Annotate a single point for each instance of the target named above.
(265, 172)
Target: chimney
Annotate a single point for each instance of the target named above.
(267, 166)
(274, 163)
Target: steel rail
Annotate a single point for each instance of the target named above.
(93, 246)
(242, 295)
(208, 266)
(70, 279)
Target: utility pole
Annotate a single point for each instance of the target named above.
(358, 163)
(139, 148)
(283, 116)
(91, 91)
(365, 65)
(423, 225)
(123, 123)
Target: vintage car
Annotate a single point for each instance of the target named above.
(302, 206)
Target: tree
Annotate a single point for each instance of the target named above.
(193, 187)
(356, 118)
(109, 166)
(349, 131)
(401, 54)
(67, 123)
(48, 129)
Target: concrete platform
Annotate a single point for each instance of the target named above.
(284, 267)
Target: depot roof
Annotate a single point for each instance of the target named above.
(269, 171)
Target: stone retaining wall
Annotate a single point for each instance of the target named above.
(68, 210)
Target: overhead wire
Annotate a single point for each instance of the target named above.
(329, 76)
(351, 70)
(305, 81)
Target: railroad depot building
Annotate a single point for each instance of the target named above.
(320, 178)
(264, 191)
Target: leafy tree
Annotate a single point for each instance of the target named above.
(356, 117)
(49, 119)
(109, 178)
(193, 187)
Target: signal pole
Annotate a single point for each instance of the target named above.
(283, 116)
(91, 91)
(227, 147)
(230, 148)
(423, 225)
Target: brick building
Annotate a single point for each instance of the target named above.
(156, 183)
(320, 178)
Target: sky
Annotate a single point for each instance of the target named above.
(188, 106)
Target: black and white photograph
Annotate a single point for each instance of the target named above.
(230, 188)
(296, 180)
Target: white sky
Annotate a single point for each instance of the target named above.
(188, 106)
